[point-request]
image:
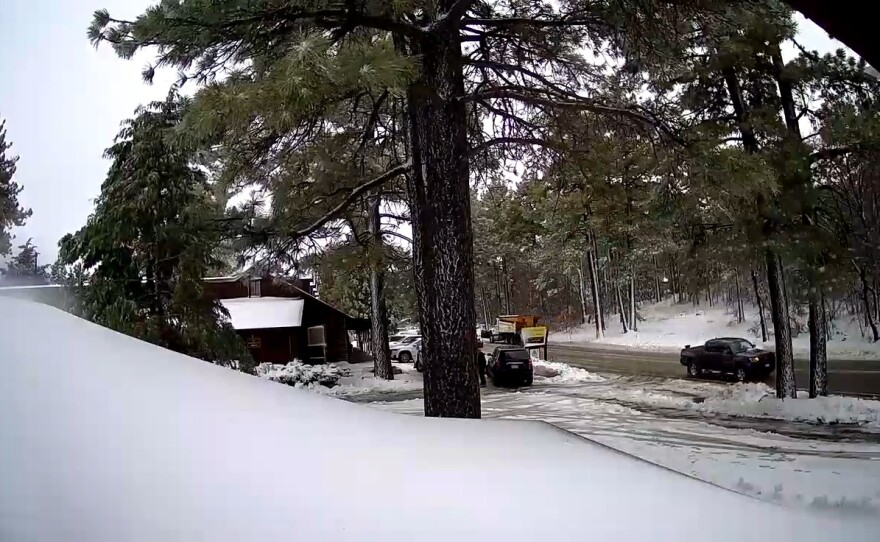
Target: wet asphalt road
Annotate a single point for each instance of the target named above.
(846, 377)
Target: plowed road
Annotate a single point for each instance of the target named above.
(853, 377)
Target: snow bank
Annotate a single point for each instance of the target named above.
(117, 439)
(759, 401)
(669, 327)
(554, 372)
(358, 379)
(341, 379)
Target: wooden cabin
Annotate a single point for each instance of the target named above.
(281, 319)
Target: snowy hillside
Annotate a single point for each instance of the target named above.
(105, 438)
(668, 326)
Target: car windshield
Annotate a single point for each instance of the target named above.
(740, 345)
(408, 340)
(516, 355)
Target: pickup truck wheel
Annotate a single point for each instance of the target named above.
(404, 357)
(740, 374)
(694, 370)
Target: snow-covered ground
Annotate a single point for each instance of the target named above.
(755, 401)
(106, 438)
(837, 477)
(354, 379)
(676, 424)
(668, 326)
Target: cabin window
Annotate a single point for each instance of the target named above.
(254, 288)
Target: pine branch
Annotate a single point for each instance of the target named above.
(499, 66)
(353, 195)
(396, 217)
(455, 13)
(398, 235)
(566, 101)
(529, 22)
(830, 153)
(516, 141)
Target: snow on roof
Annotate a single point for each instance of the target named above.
(118, 439)
(264, 312)
(29, 287)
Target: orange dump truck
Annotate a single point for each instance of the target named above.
(507, 327)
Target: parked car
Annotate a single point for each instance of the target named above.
(729, 355)
(405, 350)
(509, 365)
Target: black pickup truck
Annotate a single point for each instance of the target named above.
(729, 355)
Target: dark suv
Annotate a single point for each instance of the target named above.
(729, 355)
(509, 365)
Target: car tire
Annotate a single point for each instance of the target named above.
(404, 357)
(694, 370)
(740, 374)
(528, 381)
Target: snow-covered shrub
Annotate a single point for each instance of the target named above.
(299, 374)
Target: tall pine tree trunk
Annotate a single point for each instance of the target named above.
(632, 298)
(506, 285)
(785, 381)
(620, 306)
(439, 194)
(656, 271)
(601, 282)
(818, 337)
(582, 293)
(869, 318)
(485, 305)
(739, 306)
(594, 288)
(378, 307)
(803, 176)
(760, 306)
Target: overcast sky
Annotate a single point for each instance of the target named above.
(63, 102)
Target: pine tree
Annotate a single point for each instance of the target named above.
(24, 268)
(11, 213)
(150, 241)
(299, 73)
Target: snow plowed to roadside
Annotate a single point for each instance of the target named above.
(559, 373)
(753, 400)
(118, 439)
(759, 401)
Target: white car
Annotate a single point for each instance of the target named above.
(405, 350)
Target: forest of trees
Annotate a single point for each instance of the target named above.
(448, 162)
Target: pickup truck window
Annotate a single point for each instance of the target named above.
(740, 346)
